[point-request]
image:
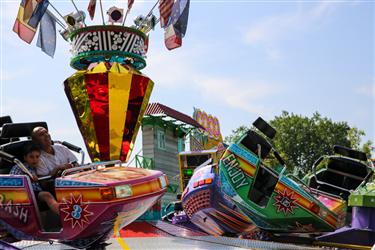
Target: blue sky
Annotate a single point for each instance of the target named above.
(239, 60)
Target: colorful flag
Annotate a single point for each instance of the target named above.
(177, 24)
(165, 8)
(47, 34)
(130, 4)
(180, 15)
(91, 8)
(26, 28)
(28, 9)
(172, 39)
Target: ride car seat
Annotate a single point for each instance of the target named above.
(251, 141)
(342, 172)
(10, 131)
(4, 120)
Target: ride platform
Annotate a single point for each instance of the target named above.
(162, 235)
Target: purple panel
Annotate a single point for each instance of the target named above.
(363, 218)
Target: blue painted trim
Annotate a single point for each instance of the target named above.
(250, 157)
(68, 183)
(11, 182)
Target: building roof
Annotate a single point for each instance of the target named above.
(157, 109)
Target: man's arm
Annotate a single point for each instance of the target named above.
(60, 168)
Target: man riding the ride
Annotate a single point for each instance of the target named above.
(54, 158)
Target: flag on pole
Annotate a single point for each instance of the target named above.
(130, 4)
(91, 8)
(180, 15)
(26, 28)
(165, 8)
(177, 24)
(172, 39)
(47, 34)
(28, 9)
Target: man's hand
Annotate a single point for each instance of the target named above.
(61, 168)
(34, 177)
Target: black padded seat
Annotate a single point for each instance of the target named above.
(15, 149)
(4, 120)
(348, 166)
(17, 130)
(251, 141)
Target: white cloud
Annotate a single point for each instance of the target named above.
(237, 93)
(272, 30)
(172, 69)
(366, 90)
(178, 70)
(168, 69)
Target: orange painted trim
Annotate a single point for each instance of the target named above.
(93, 194)
(17, 196)
(236, 213)
(227, 222)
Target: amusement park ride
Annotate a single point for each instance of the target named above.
(245, 189)
(228, 190)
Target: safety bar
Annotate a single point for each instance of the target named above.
(13, 159)
(278, 157)
(24, 169)
(45, 177)
(7, 156)
(207, 162)
(320, 192)
(73, 148)
(298, 180)
(93, 165)
(367, 178)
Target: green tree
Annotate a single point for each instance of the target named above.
(302, 140)
(236, 133)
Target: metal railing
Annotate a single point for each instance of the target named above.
(144, 162)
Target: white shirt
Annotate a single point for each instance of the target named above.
(48, 162)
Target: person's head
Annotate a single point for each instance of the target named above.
(31, 155)
(41, 136)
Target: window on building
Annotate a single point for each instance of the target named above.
(180, 144)
(161, 139)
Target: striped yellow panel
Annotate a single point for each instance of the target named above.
(119, 83)
(79, 100)
(146, 99)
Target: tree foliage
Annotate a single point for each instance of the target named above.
(302, 140)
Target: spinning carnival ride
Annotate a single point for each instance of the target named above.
(246, 189)
(108, 96)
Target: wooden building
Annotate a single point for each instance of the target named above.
(164, 131)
